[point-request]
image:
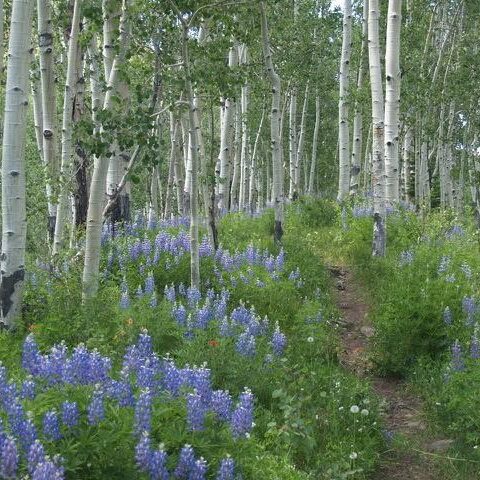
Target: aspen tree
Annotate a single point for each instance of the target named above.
(14, 223)
(343, 128)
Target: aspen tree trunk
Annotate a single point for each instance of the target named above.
(2, 19)
(316, 131)
(14, 225)
(37, 113)
(407, 146)
(367, 162)
(226, 144)
(154, 192)
(193, 142)
(392, 99)
(99, 176)
(254, 170)
(301, 144)
(357, 143)
(378, 177)
(67, 130)
(49, 127)
(178, 163)
(343, 128)
(245, 153)
(110, 12)
(237, 145)
(292, 135)
(275, 128)
(171, 168)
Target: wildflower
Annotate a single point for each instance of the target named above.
(28, 389)
(51, 426)
(246, 345)
(354, 409)
(406, 258)
(310, 339)
(149, 285)
(469, 307)
(170, 293)
(158, 466)
(9, 459)
(457, 358)
(124, 300)
(199, 470)
(186, 462)
(242, 417)
(143, 412)
(364, 412)
(36, 455)
(70, 414)
(444, 264)
(221, 404)
(279, 341)
(96, 409)
(226, 471)
(467, 271)
(143, 452)
(447, 316)
(353, 456)
(213, 343)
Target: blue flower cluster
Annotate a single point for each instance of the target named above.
(193, 312)
(153, 379)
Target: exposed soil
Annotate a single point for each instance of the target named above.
(401, 410)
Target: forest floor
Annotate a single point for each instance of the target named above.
(414, 448)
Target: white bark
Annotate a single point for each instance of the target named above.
(275, 128)
(254, 167)
(14, 225)
(301, 143)
(378, 174)
(357, 143)
(225, 143)
(392, 100)
(313, 163)
(407, 146)
(343, 128)
(48, 96)
(67, 130)
(37, 112)
(245, 151)
(292, 135)
(100, 169)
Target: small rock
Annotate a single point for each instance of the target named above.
(368, 331)
(440, 445)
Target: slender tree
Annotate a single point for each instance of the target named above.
(14, 224)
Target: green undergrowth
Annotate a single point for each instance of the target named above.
(313, 419)
(424, 301)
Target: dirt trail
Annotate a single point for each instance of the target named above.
(401, 410)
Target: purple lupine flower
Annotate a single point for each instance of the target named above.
(457, 358)
(28, 389)
(474, 348)
(31, 357)
(124, 300)
(158, 466)
(172, 378)
(205, 249)
(143, 452)
(121, 391)
(280, 260)
(406, 258)
(444, 264)
(196, 411)
(51, 425)
(294, 275)
(225, 327)
(242, 417)
(241, 315)
(200, 380)
(447, 316)
(179, 314)
(143, 412)
(246, 344)
(9, 459)
(28, 433)
(469, 307)
(226, 471)
(199, 470)
(193, 296)
(36, 455)
(139, 292)
(221, 404)
(70, 414)
(202, 317)
(170, 293)
(279, 341)
(186, 462)
(153, 300)
(149, 285)
(467, 271)
(96, 408)
(47, 470)
(456, 230)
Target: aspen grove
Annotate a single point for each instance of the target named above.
(239, 239)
